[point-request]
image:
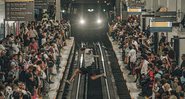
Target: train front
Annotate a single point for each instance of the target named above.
(90, 18)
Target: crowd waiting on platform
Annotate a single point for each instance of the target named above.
(156, 71)
(27, 59)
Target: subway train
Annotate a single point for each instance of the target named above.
(89, 22)
(89, 17)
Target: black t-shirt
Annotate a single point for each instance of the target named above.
(29, 83)
(26, 40)
(3, 62)
(183, 64)
(160, 91)
(163, 39)
(143, 48)
(36, 81)
(22, 76)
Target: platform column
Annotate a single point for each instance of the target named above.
(58, 10)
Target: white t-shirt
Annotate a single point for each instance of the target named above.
(132, 55)
(88, 57)
(135, 44)
(43, 41)
(115, 26)
(15, 48)
(144, 68)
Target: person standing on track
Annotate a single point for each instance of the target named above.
(88, 68)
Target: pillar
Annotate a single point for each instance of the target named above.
(162, 3)
(117, 6)
(58, 10)
(172, 5)
(148, 4)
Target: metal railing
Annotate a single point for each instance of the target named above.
(103, 63)
(81, 64)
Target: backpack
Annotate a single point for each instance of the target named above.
(27, 96)
(45, 86)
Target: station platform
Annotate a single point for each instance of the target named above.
(56, 79)
(131, 85)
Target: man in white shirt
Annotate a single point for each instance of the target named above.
(144, 68)
(135, 43)
(132, 58)
(87, 69)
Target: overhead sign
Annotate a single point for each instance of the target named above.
(164, 19)
(156, 26)
(134, 10)
(19, 0)
(138, 4)
(19, 10)
(168, 13)
(160, 24)
(42, 4)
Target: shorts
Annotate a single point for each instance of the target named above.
(89, 70)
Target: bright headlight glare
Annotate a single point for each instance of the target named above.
(82, 21)
(99, 21)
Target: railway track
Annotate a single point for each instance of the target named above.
(85, 88)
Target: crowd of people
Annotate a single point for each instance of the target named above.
(27, 59)
(157, 73)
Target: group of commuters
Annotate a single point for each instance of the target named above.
(28, 59)
(156, 72)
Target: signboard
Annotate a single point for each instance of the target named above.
(51, 2)
(164, 19)
(148, 15)
(19, 10)
(136, 4)
(41, 4)
(160, 24)
(156, 26)
(169, 13)
(134, 10)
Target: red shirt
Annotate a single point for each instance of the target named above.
(151, 74)
(34, 46)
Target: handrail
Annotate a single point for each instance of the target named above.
(106, 82)
(81, 63)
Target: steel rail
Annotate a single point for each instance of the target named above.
(103, 63)
(78, 86)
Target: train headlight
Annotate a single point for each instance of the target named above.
(82, 21)
(99, 21)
